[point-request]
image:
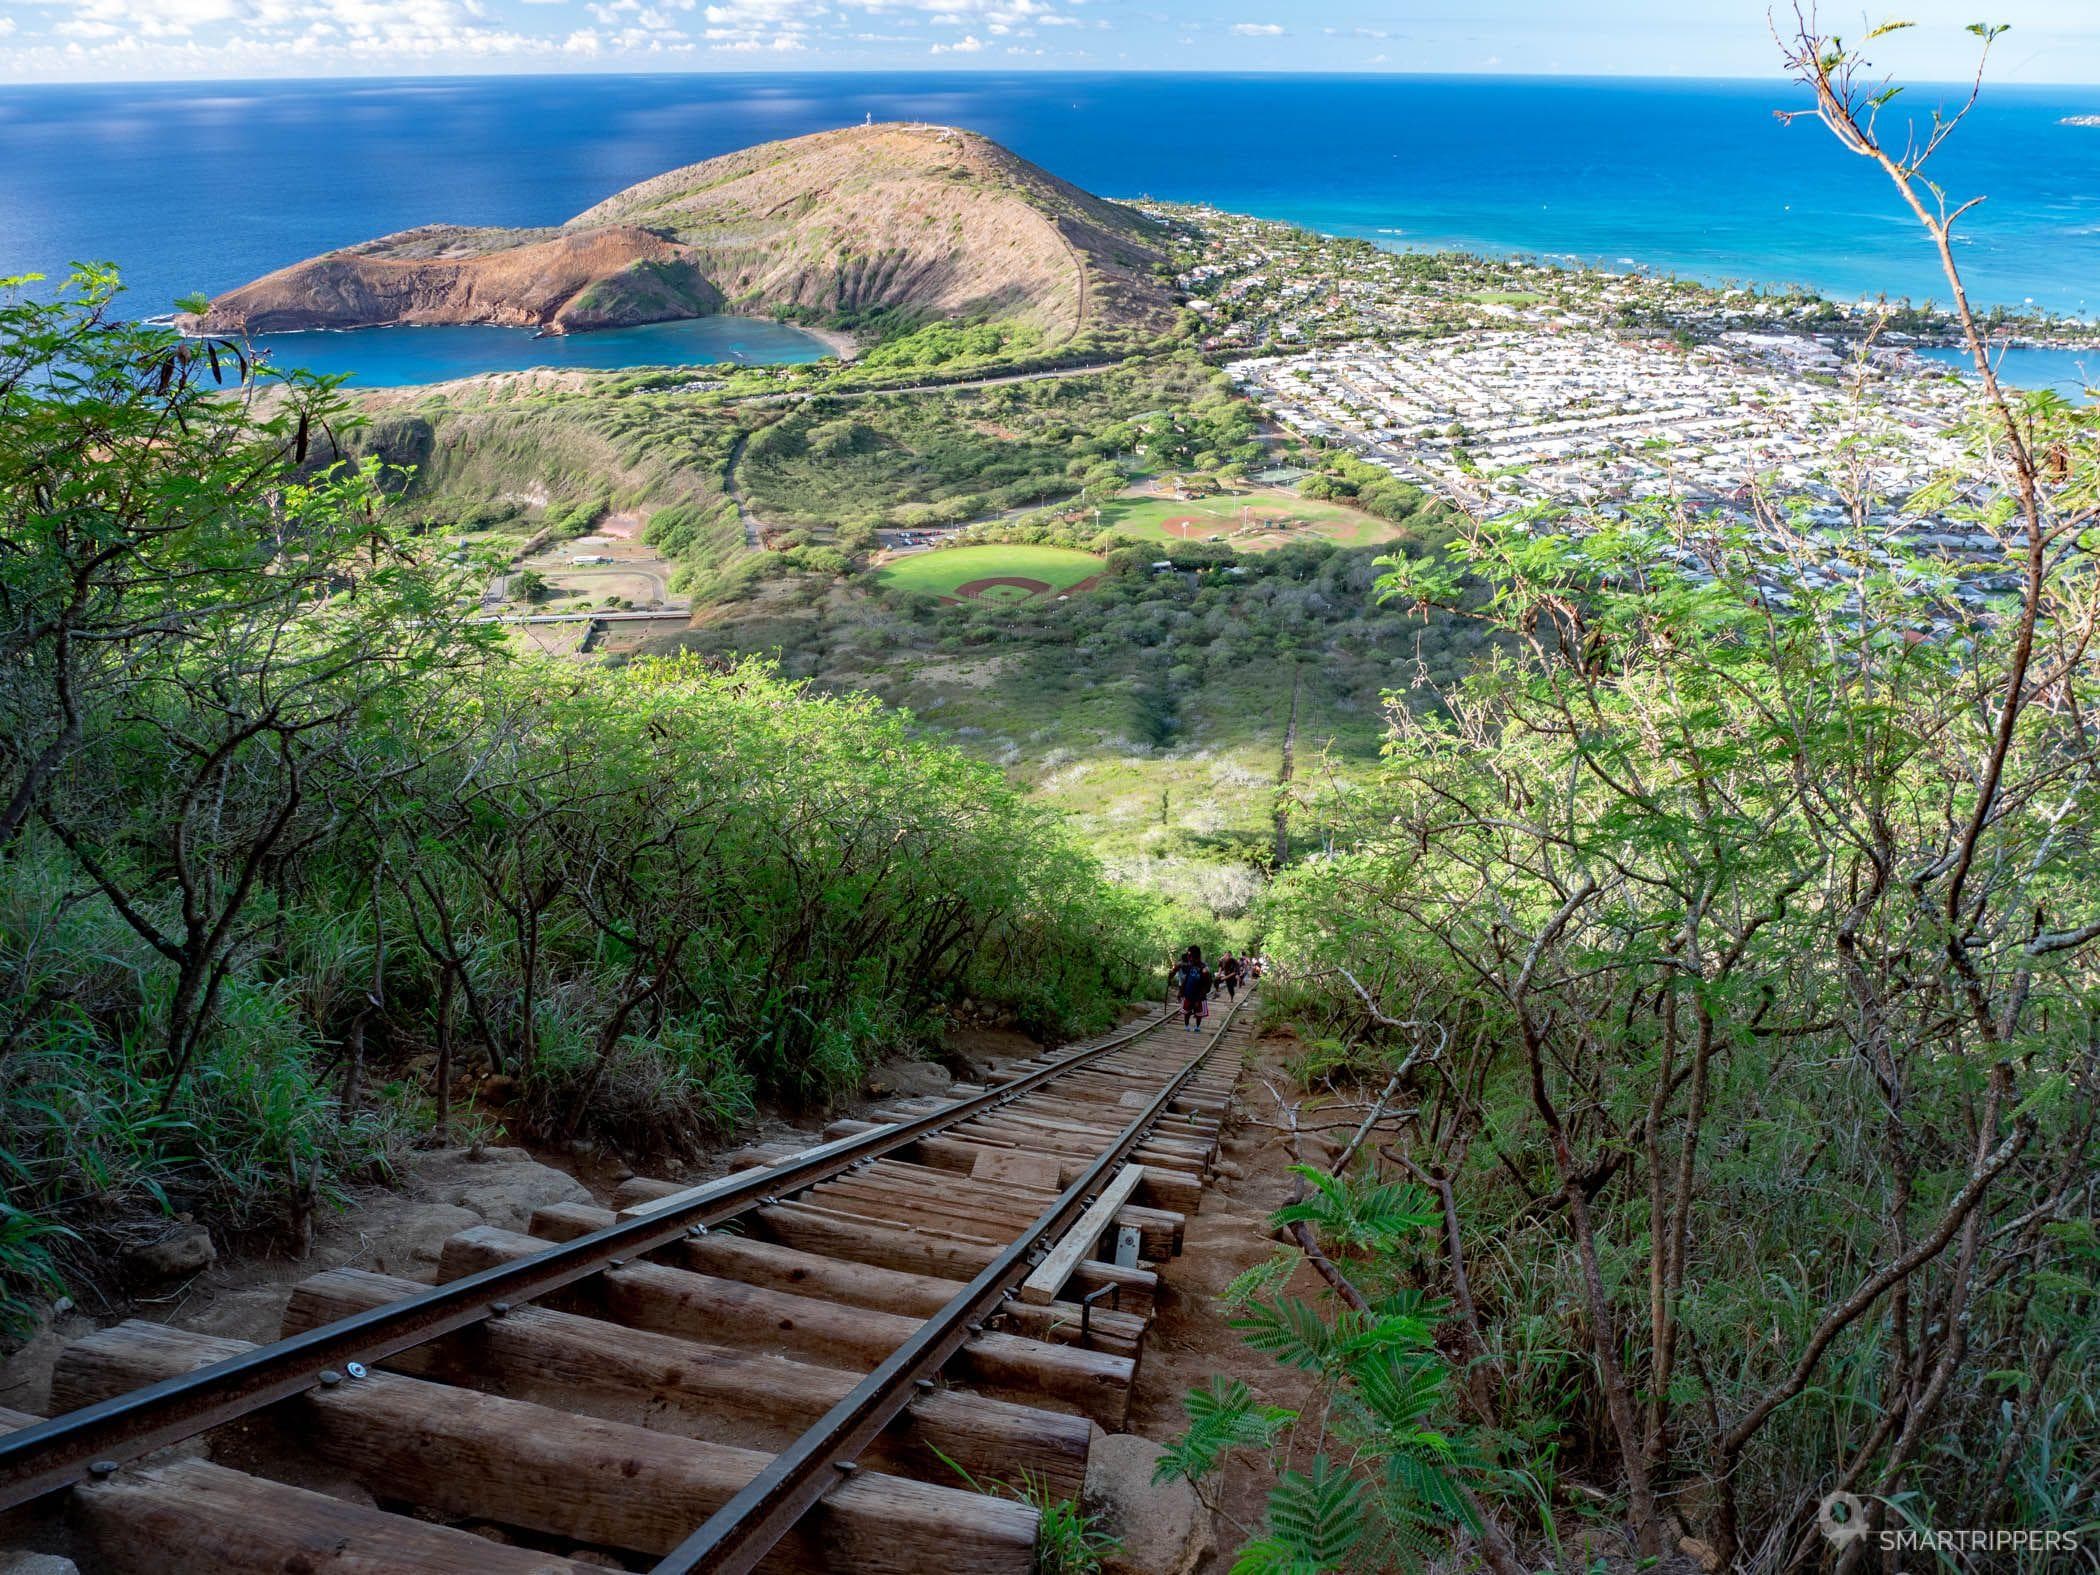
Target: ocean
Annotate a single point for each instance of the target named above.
(200, 187)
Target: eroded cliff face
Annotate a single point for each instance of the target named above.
(919, 217)
(557, 280)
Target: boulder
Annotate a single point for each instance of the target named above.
(183, 1251)
(17, 1563)
(254, 1313)
(1164, 1528)
(508, 1195)
(913, 1079)
(406, 1242)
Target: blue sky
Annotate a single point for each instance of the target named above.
(2051, 41)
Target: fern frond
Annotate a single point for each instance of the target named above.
(1361, 1216)
(1222, 1418)
(1318, 1515)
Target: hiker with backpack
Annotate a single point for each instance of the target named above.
(1195, 983)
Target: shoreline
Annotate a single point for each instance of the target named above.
(841, 343)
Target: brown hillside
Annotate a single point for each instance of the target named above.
(919, 217)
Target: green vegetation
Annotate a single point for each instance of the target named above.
(953, 347)
(1737, 925)
(944, 573)
(1153, 708)
(294, 855)
(904, 462)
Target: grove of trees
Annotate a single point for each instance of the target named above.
(1727, 950)
(299, 865)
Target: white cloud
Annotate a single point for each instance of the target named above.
(1257, 30)
(168, 38)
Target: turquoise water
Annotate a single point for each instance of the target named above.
(390, 357)
(204, 186)
(2069, 372)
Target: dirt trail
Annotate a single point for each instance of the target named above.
(1191, 1340)
(1283, 779)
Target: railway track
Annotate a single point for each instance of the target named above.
(843, 1358)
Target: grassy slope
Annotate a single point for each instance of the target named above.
(1152, 709)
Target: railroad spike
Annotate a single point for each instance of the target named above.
(103, 1468)
(329, 1377)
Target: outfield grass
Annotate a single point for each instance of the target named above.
(1252, 521)
(946, 571)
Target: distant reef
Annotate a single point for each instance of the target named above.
(928, 219)
(2080, 120)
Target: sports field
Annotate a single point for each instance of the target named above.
(996, 572)
(1251, 521)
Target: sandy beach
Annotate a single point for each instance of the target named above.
(842, 344)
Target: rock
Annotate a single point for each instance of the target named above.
(1164, 1528)
(507, 1198)
(408, 1241)
(185, 1250)
(915, 1079)
(254, 1313)
(15, 1563)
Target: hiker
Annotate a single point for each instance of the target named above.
(1195, 989)
(1229, 976)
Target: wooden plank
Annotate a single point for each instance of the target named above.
(1161, 1189)
(767, 1263)
(702, 1390)
(1018, 1169)
(707, 1190)
(1049, 1278)
(700, 1306)
(188, 1517)
(466, 1455)
(863, 1240)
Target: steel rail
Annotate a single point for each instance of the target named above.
(737, 1536)
(57, 1454)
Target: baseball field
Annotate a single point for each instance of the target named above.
(996, 572)
(1252, 522)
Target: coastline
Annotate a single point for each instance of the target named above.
(841, 343)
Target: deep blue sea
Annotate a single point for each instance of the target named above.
(199, 187)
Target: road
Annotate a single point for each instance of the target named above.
(929, 388)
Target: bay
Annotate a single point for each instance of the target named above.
(388, 357)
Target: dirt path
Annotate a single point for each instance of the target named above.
(754, 533)
(1283, 778)
(1191, 1339)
